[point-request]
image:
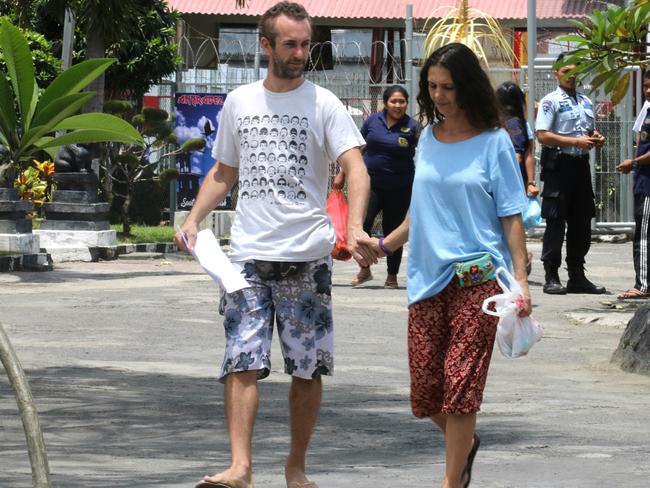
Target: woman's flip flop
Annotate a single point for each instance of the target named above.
(470, 460)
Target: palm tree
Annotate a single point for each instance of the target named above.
(104, 23)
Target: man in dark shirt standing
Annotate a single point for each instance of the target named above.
(641, 167)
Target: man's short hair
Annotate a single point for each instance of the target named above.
(292, 10)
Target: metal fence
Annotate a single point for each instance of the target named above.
(351, 81)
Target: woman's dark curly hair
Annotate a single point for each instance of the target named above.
(474, 92)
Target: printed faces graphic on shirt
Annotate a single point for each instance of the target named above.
(273, 157)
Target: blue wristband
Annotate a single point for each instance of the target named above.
(384, 249)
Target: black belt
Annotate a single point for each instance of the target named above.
(573, 156)
(274, 270)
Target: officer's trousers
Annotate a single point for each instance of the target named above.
(641, 244)
(567, 204)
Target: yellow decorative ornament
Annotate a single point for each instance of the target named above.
(471, 27)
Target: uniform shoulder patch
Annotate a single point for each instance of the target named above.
(547, 106)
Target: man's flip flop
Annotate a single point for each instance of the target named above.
(633, 293)
(308, 484)
(470, 460)
(218, 484)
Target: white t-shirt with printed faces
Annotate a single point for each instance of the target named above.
(282, 144)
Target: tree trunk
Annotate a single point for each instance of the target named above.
(95, 49)
(107, 157)
(126, 206)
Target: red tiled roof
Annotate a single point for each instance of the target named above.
(396, 9)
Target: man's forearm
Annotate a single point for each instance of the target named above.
(218, 182)
(549, 138)
(358, 192)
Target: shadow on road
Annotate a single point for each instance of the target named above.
(96, 419)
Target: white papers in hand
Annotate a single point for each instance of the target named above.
(212, 259)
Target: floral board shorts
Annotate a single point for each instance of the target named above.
(302, 306)
(450, 342)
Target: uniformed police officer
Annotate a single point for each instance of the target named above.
(565, 127)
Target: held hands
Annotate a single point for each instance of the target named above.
(373, 244)
(376, 246)
(360, 246)
(625, 166)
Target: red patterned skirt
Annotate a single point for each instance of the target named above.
(450, 341)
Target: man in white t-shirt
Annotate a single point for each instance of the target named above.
(281, 237)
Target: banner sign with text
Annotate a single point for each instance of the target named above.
(196, 115)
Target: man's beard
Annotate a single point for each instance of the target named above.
(286, 72)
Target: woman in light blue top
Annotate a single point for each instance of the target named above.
(464, 221)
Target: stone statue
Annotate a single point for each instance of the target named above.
(73, 158)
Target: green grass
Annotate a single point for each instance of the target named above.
(141, 233)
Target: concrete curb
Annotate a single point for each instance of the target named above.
(43, 261)
(26, 262)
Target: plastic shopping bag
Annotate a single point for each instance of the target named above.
(337, 208)
(515, 335)
(532, 215)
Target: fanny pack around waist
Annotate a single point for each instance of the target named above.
(275, 270)
(475, 271)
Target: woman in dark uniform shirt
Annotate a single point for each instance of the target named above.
(391, 137)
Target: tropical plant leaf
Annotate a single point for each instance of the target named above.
(55, 113)
(62, 107)
(51, 151)
(85, 136)
(18, 59)
(620, 89)
(611, 81)
(102, 122)
(599, 79)
(27, 117)
(7, 109)
(571, 38)
(73, 80)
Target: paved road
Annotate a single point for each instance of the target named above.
(122, 356)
